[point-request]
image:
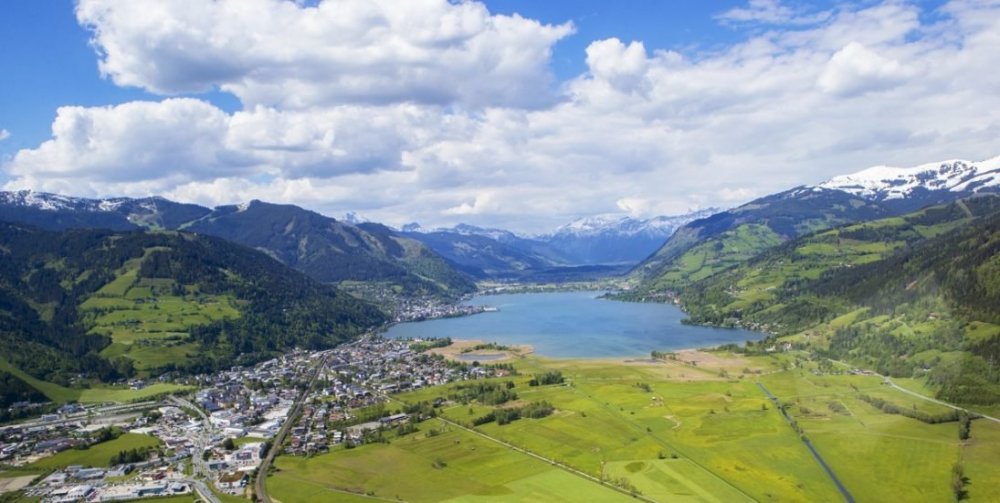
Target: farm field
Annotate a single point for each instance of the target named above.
(97, 455)
(454, 465)
(697, 428)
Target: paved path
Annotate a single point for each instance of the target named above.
(889, 381)
(203, 491)
(203, 439)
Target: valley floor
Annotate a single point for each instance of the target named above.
(693, 427)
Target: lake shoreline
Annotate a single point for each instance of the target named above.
(574, 325)
(462, 350)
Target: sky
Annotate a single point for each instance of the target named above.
(516, 114)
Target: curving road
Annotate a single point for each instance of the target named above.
(889, 381)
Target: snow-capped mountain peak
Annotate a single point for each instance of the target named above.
(627, 226)
(887, 183)
(463, 230)
(42, 200)
(56, 202)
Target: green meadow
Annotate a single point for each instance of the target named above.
(100, 394)
(98, 455)
(675, 430)
(148, 319)
(454, 465)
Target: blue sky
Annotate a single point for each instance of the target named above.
(55, 66)
(458, 113)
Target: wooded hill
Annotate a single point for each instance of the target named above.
(916, 295)
(99, 305)
(324, 248)
(710, 245)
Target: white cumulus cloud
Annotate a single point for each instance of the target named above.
(855, 69)
(770, 12)
(282, 53)
(643, 131)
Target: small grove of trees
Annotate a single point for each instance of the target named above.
(130, 456)
(959, 481)
(502, 416)
(406, 428)
(420, 347)
(662, 355)
(107, 434)
(964, 425)
(891, 408)
(486, 393)
(553, 377)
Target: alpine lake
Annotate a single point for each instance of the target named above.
(575, 325)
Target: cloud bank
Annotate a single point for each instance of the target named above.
(442, 112)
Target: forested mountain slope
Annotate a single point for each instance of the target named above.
(106, 305)
(331, 251)
(909, 296)
(322, 247)
(709, 245)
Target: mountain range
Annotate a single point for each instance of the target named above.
(101, 305)
(326, 249)
(591, 241)
(849, 268)
(707, 246)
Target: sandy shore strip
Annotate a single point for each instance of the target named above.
(461, 350)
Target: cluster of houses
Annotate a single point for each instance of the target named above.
(427, 309)
(247, 405)
(363, 374)
(376, 366)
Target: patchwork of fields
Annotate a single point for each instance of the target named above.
(148, 319)
(698, 430)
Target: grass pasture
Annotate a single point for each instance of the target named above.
(878, 456)
(62, 394)
(473, 468)
(97, 455)
(52, 391)
(121, 395)
(148, 318)
(673, 430)
(674, 480)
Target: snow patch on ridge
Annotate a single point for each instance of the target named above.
(888, 182)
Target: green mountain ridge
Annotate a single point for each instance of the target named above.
(95, 306)
(322, 247)
(710, 245)
(910, 296)
(332, 251)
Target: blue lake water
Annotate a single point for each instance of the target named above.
(576, 325)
